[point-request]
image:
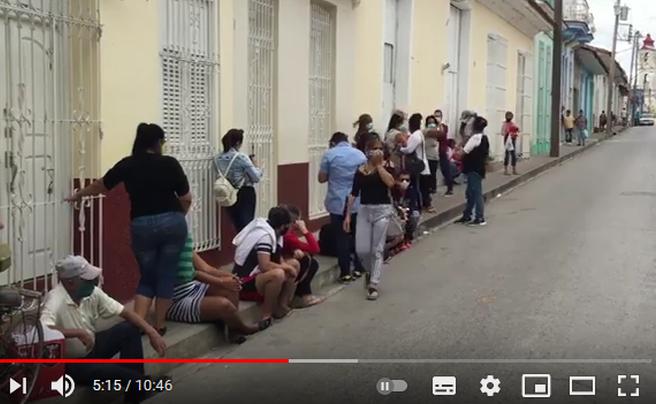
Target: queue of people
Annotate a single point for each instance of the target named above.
(377, 190)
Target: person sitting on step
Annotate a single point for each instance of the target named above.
(206, 294)
(74, 306)
(265, 276)
(303, 251)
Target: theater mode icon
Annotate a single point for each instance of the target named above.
(582, 385)
(536, 386)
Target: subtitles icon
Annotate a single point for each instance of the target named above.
(444, 385)
(536, 386)
(582, 385)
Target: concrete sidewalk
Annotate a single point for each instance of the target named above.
(193, 340)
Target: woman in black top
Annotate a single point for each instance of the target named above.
(372, 184)
(159, 194)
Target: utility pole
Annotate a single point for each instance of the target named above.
(634, 61)
(611, 74)
(556, 79)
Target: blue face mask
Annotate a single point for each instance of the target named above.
(432, 126)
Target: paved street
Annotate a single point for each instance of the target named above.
(565, 270)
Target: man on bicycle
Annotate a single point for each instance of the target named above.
(74, 306)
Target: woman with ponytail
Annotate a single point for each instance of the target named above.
(159, 196)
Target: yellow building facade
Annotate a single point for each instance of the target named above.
(291, 73)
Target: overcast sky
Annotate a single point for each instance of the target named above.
(642, 15)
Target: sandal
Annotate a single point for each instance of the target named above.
(264, 324)
(234, 338)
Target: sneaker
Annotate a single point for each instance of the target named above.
(478, 222)
(448, 194)
(372, 294)
(463, 220)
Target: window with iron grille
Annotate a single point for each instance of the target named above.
(322, 79)
(496, 87)
(189, 60)
(524, 112)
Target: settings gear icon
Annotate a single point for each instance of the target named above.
(490, 386)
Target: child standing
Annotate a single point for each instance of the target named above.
(510, 132)
(569, 126)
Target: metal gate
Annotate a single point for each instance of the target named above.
(189, 69)
(261, 62)
(49, 75)
(322, 79)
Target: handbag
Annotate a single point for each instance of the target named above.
(225, 193)
(413, 164)
(5, 257)
(396, 227)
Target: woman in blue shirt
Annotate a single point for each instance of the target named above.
(243, 175)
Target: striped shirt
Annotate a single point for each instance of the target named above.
(186, 271)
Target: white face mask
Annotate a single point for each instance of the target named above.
(438, 119)
(370, 127)
(431, 126)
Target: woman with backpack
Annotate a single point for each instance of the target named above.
(241, 173)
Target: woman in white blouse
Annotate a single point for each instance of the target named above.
(417, 145)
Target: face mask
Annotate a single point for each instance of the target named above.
(370, 127)
(403, 128)
(372, 153)
(438, 119)
(404, 185)
(432, 126)
(85, 289)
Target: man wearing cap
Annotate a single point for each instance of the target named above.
(74, 306)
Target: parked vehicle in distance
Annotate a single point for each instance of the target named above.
(647, 120)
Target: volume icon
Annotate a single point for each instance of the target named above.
(65, 386)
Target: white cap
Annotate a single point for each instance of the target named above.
(75, 265)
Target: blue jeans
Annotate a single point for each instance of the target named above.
(157, 242)
(345, 245)
(474, 195)
(581, 137)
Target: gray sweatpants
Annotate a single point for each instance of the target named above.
(370, 237)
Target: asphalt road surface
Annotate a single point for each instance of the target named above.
(562, 282)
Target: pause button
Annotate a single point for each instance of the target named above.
(386, 386)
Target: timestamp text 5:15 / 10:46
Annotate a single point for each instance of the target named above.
(145, 385)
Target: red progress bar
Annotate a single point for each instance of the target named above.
(161, 360)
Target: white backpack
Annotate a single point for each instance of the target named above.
(224, 192)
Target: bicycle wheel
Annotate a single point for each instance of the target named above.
(22, 338)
